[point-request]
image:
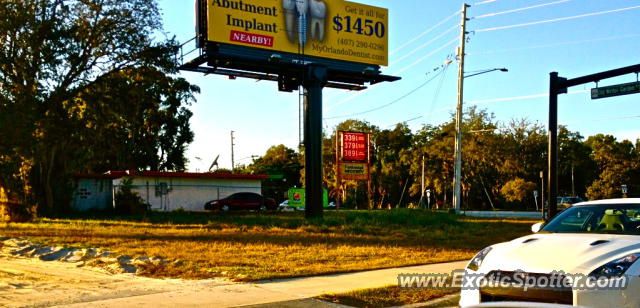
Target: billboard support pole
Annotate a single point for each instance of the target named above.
(314, 81)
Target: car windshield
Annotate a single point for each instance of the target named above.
(602, 218)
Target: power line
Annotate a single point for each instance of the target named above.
(603, 120)
(555, 44)
(517, 98)
(424, 33)
(557, 19)
(484, 2)
(425, 57)
(425, 44)
(390, 103)
(435, 99)
(394, 73)
(520, 9)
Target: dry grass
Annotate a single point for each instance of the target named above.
(249, 246)
(385, 297)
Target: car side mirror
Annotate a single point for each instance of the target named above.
(536, 227)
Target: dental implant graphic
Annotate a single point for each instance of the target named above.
(289, 7)
(318, 17)
(303, 8)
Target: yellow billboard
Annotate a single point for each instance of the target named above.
(333, 29)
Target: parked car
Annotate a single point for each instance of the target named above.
(242, 201)
(589, 242)
(568, 201)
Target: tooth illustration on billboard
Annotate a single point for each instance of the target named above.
(318, 18)
(289, 7)
(303, 8)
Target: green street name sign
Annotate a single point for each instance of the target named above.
(620, 89)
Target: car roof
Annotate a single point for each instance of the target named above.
(610, 201)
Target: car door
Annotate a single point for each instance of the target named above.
(255, 201)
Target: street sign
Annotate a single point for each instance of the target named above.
(615, 90)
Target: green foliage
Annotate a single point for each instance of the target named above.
(85, 88)
(129, 202)
(517, 190)
(278, 160)
(617, 163)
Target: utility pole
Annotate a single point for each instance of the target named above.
(458, 144)
(233, 165)
(422, 186)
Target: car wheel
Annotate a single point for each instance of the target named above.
(225, 208)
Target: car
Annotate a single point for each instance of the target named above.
(584, 256)
(242, 201)
(568, 201)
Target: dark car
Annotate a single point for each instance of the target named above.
(242, 201)
(568, 201)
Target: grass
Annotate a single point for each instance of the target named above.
(252, 246)
(385, 297)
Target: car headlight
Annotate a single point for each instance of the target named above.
(475, 263)
(615, 268)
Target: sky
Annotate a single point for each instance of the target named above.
(531, 38)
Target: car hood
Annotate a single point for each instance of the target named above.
(571, 253)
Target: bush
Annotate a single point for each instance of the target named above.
(129, 202)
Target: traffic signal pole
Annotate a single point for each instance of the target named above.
(559, 85)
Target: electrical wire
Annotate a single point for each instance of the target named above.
(520, 9)
(517, 98)
(433, 101)
(484, 2)
(390, 103)
(602, 120)
(393, 73)
(555, 44)
(557, 19)
(424, 45)
(423, 33)
(425, 57)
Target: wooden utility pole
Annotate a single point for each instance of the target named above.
(458, 144)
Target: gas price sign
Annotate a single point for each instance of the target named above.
(355, 146)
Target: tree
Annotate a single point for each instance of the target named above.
(617, 164)
(278, 160)
(517, 190)
(56, 57)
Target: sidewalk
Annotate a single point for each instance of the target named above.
(286, 290)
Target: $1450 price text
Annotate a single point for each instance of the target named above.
(357, 25)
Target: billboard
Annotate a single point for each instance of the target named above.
(333, 29)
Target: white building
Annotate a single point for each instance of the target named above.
(164, 191)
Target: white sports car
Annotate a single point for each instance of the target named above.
(585, 256)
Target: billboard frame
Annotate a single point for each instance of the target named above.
(291, 71)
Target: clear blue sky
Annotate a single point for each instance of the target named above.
(261, 116)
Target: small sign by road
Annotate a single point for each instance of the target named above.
(616, 90)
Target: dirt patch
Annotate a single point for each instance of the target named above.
(93, 257)
(42, 276)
